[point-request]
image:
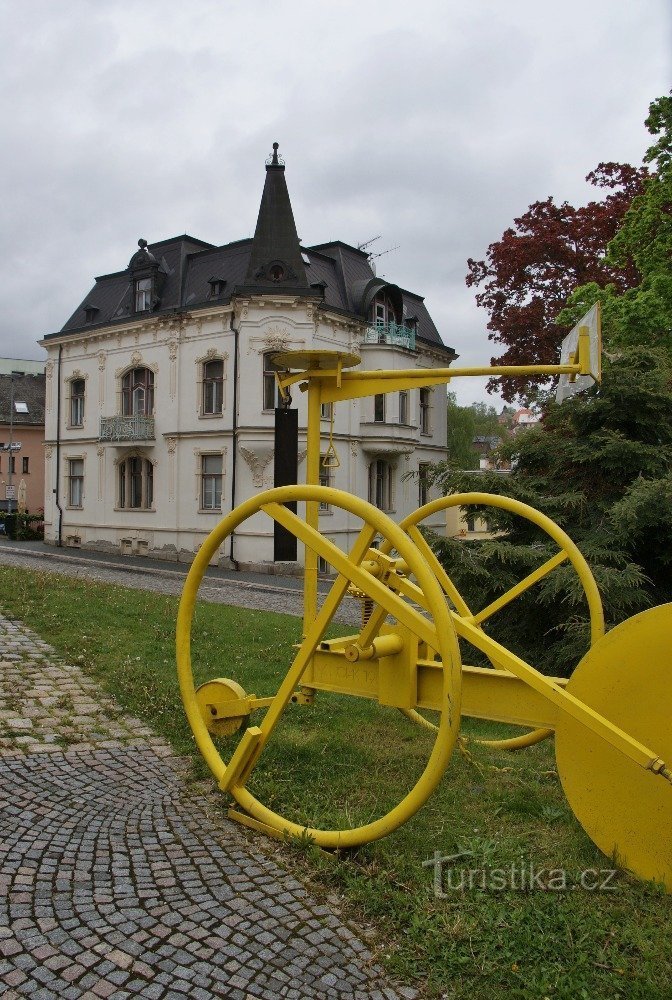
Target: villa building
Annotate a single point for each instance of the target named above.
(161, 395)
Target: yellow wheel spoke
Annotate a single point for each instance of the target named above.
(447, 584)
(315, 633)
(519, 588)
(383, 596)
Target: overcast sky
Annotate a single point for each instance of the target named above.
(430, 124)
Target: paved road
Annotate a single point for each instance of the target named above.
(116, 880)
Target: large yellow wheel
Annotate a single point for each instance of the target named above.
(625, 809)
(567, 551)
(438, 632)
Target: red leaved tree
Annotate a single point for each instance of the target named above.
(528, 274)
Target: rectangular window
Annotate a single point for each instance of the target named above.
(24, 464)
(75, 482)
(326, 473)
(12, 463)
(423, 484)
(380, 484)
(270, 388)
(403, 406)
(425, 411)
(143, 294)
(211, 482)
(77, 390)
(136, 483)
(379, 408)
(213, 386)
(326, 410)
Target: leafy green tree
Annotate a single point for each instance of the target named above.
(461, 431)
(600, 466)
(465, 423)
(641, 314)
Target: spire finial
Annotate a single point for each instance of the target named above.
(275, 160)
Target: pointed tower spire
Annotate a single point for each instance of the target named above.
(275, 260)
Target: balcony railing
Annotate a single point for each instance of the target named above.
(395, 334)
(133, 428)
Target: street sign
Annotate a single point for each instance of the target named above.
(10, 492)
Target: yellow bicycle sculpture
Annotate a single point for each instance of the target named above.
(611, 720)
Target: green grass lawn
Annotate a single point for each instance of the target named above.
(341, 762)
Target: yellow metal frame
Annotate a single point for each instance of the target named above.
(413, 663)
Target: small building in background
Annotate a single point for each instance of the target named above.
(22, 394)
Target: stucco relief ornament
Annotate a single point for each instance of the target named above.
(49, 369)
(101, 360)
(257, 463)
(276, 342)
(100, 451)
(171, 444)
(48, 450)
(172, 350)
(136, 358)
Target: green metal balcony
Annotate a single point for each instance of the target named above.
(132, 428)
(394, 334)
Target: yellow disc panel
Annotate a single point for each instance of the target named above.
(624, 809)
(213, 699)
(315, 360)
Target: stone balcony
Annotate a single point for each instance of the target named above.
(394, 334)
(122, 429)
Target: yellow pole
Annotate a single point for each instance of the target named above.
(312, 507)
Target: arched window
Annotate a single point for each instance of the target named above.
(137, 393)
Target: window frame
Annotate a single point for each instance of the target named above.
(133, 471)
(403, 407)
(268, 380)
(130, 392)
(142, 293)
(209, 477)
(381, 484)
(326, 478)
(425, 403)
(423, 485)
(77, 403)
(379, 408)
(215, 385)
(75, 484)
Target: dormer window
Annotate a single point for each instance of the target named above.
(20, 407)
(90, 313)
(276, 272)
(217, 286)
(143, 294)
(147, 279)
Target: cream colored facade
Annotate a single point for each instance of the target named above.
(83, 465)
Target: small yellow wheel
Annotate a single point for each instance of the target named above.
(436, 631)
(625, 809)
(214, 699)
(567, 551)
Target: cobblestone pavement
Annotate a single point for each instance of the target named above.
(115, 881)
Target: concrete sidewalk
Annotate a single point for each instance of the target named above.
(116, 881)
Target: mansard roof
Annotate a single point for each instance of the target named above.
(26, 388)
(192, 274)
